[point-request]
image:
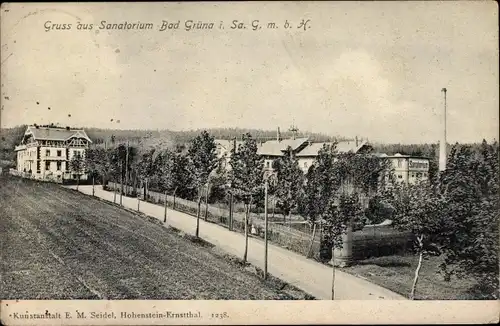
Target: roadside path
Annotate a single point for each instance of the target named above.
(306, 274)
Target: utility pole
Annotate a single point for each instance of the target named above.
(206, 198)
(266, 185)
(105, 158)
(442, 142)
(121, 181)
(165, 212)
(139, 199)
(294, 131)
(231, 208)
(126, 170)
(333, 273)
(230, 222)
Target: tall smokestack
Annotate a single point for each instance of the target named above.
(278, 136)
(442, 142)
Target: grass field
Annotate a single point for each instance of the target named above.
(59, 244)
(396, 273)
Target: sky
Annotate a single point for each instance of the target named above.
(368, 69)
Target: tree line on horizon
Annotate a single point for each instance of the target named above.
(11, 137)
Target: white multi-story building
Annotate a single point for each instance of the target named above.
(45, 152)
(409, 169)
(223, 150)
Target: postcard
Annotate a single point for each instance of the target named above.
(230, 163)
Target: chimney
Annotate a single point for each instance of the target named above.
(442, 142)
(356, 141)
(278, 135)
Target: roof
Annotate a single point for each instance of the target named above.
(312, 149)
(350, 146)
(342, 147)
(276, 148)
(398, 155)
(228, 144)
(46, 133)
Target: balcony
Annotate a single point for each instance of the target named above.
(54, 158)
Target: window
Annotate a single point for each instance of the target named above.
(400, 176)
(267, 164)
(59, 166)
(413, 175)
(59, 153)
(400, 163)
(47, 152)
(47, 165)
(419, 175)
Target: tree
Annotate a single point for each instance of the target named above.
(182, 179)
(340, 211)
(109, 164)
(202, 161)
(146, 168)
(164, 164)
(290, 183)
(318, 189)
(92, 160)
(246, 175)
(419, 208)
(378, 210)
(471, 187)
(77, 166)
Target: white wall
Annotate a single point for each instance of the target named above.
(305, 163)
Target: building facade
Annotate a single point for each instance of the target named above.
(308, 154)
(45, 153)
(409, 169)
(223, 150)
(274, 149)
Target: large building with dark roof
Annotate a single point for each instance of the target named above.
(308, 154)
(304, 150)
(45, 152)
(273, 149)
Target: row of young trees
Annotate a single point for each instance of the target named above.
(454, 214)
(326, 193)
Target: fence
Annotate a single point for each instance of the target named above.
(284, 236)
(368, 242)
